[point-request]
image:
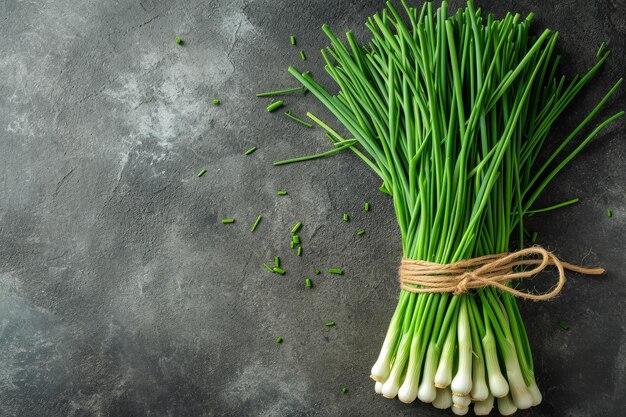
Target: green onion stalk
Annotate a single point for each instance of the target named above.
(453, 112)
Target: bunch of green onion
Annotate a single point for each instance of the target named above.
(453, 112)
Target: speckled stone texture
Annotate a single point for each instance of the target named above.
(122, 294)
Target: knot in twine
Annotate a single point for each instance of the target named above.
(490, 270)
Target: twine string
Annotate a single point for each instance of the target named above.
(490, 270)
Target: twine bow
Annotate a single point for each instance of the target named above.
(490, 270)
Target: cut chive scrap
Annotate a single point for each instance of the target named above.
(329, 324)
(178, 40)
(297, 227)
(279, 92)
(202, 172)
(293, 40)
(302, 56)
(317, 272)
(299, 250)
(307, 282)
(256, 223)
(609, 213)
(269, 268)
(295, 239)
(346, 217)
(366, 207)
(228, 221)
(276, 261)
(302, 122)
(344, 390)
(278, 270)
(336, 271)
(275, 105)
(279, 340)
(360, 232)
(249, 151)
(216, 102)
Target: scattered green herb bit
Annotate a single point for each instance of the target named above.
(336, 271)
(282, 193)
(278, 92)
(302, 56)
(533, 238)
(276, 261)
(344, 390)
(274, 105)
(609, 213)
(216, 102)
(178, 40)
(299, 250)
(296, 228)
(302, 122)
(227, 221)
(295, 239)
(317, 272)
(366, 207)
(293, 245)
(564, 325)
(600, 49)
(293, 40)
(345, 217)
(256, 223)
(279, 339)
(268, 267)
(249, 151)
(279, 271)
(307, 282)
(329, 324)
(360, 232)
(202, 172)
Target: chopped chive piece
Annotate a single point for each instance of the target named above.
(339, 146)
(533, 238)
(563, 325)
(282, 192)
(278, 92)
(329, 324)
(345, 217)
(293, 245)
(307, 282)
(178, 40)
(216, 102)
(276, 261)
(344, 390)
(268, 267)
(278, 270)
(317, 272)
(249, 151)
(296, 228)
(279, 339)
(256, 223)
(360, 232)
(366, 207)
(293, 40)
(295, 239)
(302, 122)
(202, 172)
(609, 213)
(336, 271)
(299, 250)
(302, 56)
(227, 221)
(274, 105)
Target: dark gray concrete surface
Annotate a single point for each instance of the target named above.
(122, 294)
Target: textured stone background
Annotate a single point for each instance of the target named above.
(121, 293)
